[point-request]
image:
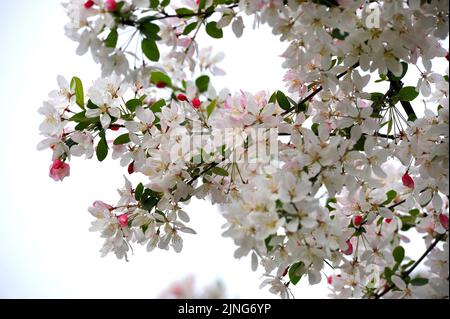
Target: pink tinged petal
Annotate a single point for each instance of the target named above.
(444, 221)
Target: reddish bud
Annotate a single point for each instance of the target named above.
(114, 127)
(123, 220)
(88, 4)
(110, 5)
(196, 103)
(181, 97)
(161, 85)
(349, 250)
(357, 220)
(444, 221)
(407, 181)
(131, 168)
(447, 56)
(330, 280)
(388, 220)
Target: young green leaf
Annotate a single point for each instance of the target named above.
(150, 49)
(213, 30)
(419, 281)
(282, 100)
(398, 253)
(138, 191)
(190, 27)
(111, 39)
(102, 149)
(77, 86)
(296, 272)
(158, 77)
(211, 107)
(202, 83)
(407, 93)
(390, 196)
(219, 171)
(133, 104)
(122, 139)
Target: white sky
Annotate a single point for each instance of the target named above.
(46, 250)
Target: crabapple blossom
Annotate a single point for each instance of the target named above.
(59, 170)
(326, 180)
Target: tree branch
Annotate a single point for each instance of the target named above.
(407, 272)
(320, 88)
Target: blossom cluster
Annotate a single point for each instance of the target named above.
(349, 175)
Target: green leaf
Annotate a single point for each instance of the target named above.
(201, 4)
(211, 107)
(91, 105)
(138, 191)
(296, 271)
(133, 104)
(359, 145)
(149, 203)
(156, 107)
(418, 281)
(102, 149)
(150, 31)
(79, 117)
(111, 39)
(282, 100)
(189, 28)
(267, 242)
(157, 77)
(122, 139)
(154, 3)
(390, 196)
(150, 50)
(184, 12)
(398, 253)
(213, 30)
(407, 93)
(219, 171)
(273, 98)
(77, 86)
(202, 83)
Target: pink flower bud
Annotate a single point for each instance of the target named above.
(161, 85)
(196, 103)
(388, 220)
(88, 4)
(110, 5)
(357, 220)
(131, 168)
(59, 170)
(181, 97)
(349, 250)
(444, 221)
(407, 181)
(123, 220)
(330, 280)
